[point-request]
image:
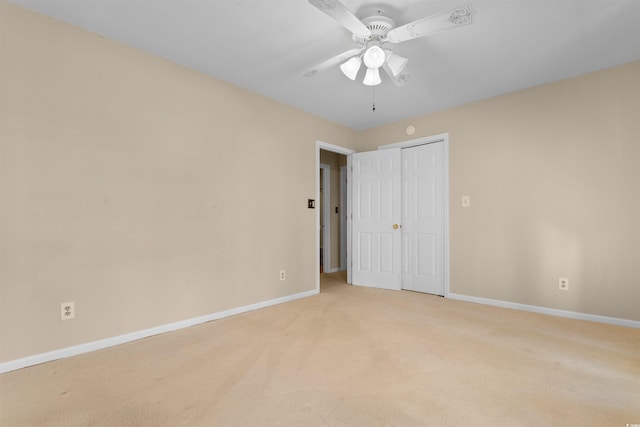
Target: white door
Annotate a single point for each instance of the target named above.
(343, 218)
(423, 226)
(376, 241)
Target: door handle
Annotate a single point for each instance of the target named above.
(396, 226)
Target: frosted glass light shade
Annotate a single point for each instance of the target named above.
(351, 67)
(372, 78)
(396, 63)
(374, 56)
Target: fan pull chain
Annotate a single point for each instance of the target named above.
(374, 100)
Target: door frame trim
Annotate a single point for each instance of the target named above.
(322, 145)
(443, 138)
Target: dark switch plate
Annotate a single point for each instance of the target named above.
(311, 204)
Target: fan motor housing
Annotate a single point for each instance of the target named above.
(378, 24)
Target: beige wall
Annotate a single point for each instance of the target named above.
(554, 178)
(143, 191)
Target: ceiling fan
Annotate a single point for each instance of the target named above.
(374, 32)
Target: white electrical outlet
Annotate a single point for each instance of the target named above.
(67, 310)
(283, 275)
(563, 284)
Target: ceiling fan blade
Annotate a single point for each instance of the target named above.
(332, 61)
(452, 18)
(340, 13)
(399, 80)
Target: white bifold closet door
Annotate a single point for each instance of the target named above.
(398, 219)
(423, 246)
(376, 235)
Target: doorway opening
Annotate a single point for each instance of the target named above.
(332, 230)
(331, 209)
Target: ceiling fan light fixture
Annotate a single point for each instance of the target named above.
(396, 63)
(372, 78)
(351, 67)
(374, 56)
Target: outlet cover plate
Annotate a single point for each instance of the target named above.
(67, 310)
(563, 284)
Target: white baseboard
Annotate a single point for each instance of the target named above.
(133, 336)
(546, 310)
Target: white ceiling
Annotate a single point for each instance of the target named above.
(266, 45)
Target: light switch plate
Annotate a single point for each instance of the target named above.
(466, 201)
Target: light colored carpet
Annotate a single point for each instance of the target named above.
(350, 356)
